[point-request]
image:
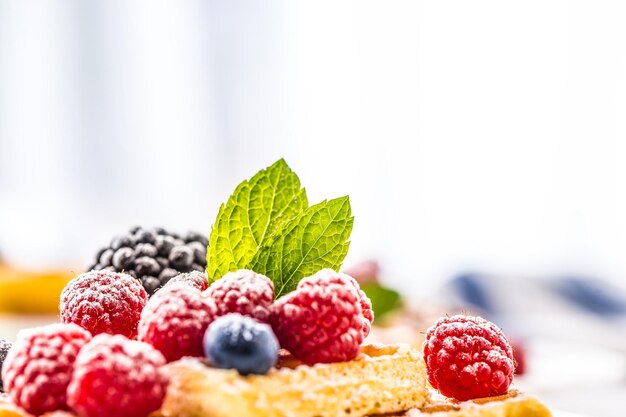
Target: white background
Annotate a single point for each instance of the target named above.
(469, 135)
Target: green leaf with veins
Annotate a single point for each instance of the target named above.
(317, 238)
(257, 210)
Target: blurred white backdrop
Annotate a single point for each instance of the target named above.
(470, 135)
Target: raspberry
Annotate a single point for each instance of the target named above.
(468, 357)
(117, 377)
(39, 366)
(328, 276)
(104, 302)
(519, 355)
(322, 321)
(195, 279)
(244, 292)
(175, 319)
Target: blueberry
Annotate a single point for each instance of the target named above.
(166, 275)
(123, 258)
(198, 267)
(199, 251)
(164, 244)
(196, 237)
(100, 252)
(160, 231)
(5, 345)
(144, 236)
(242, 343)
(147, 266)
(150, 284)
(145, 249)
(181, 258)
(121, 241)
(105, 258)
(164, 262)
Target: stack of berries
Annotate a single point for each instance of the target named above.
(107, 358)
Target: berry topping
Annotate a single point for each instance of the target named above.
(519, 355)
(117, 377)
(153, 256)
(468, 357)
(5, 345)
(175, 319)
(39, 366)
(237, 342)
(104, 302)
(244, 292)
(181, 258)
(195, 279)
(322, 321)
(328, 276)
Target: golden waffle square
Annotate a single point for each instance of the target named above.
(381, 380)
(513, 404)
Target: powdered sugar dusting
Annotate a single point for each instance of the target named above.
(194, 279)
(117, 377)
(38, 368)
(244, 292)
(175, 319)
(104, 302)
(468, 357)
(322, 321)
(327, 278)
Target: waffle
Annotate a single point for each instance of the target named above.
(513, 404)
(382, 379)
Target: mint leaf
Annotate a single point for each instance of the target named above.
(384, 300)
(315, 239)
(257, 209)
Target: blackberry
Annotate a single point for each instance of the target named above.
(153, 256)
(4, 349)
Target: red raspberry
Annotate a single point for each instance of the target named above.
(244, 292)
(468, 357)
(194, 279)
(519, 355)
(104, 302)
(117, 377)
(39, 366)
(327, 276)
(175, 319)
(322, 321)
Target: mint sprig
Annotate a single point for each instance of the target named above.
(256, 210)
(384, 300)
(267, 226)
(316, 239)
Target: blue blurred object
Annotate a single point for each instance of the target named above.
(472, 290)
(591, 295)
(594, 295)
